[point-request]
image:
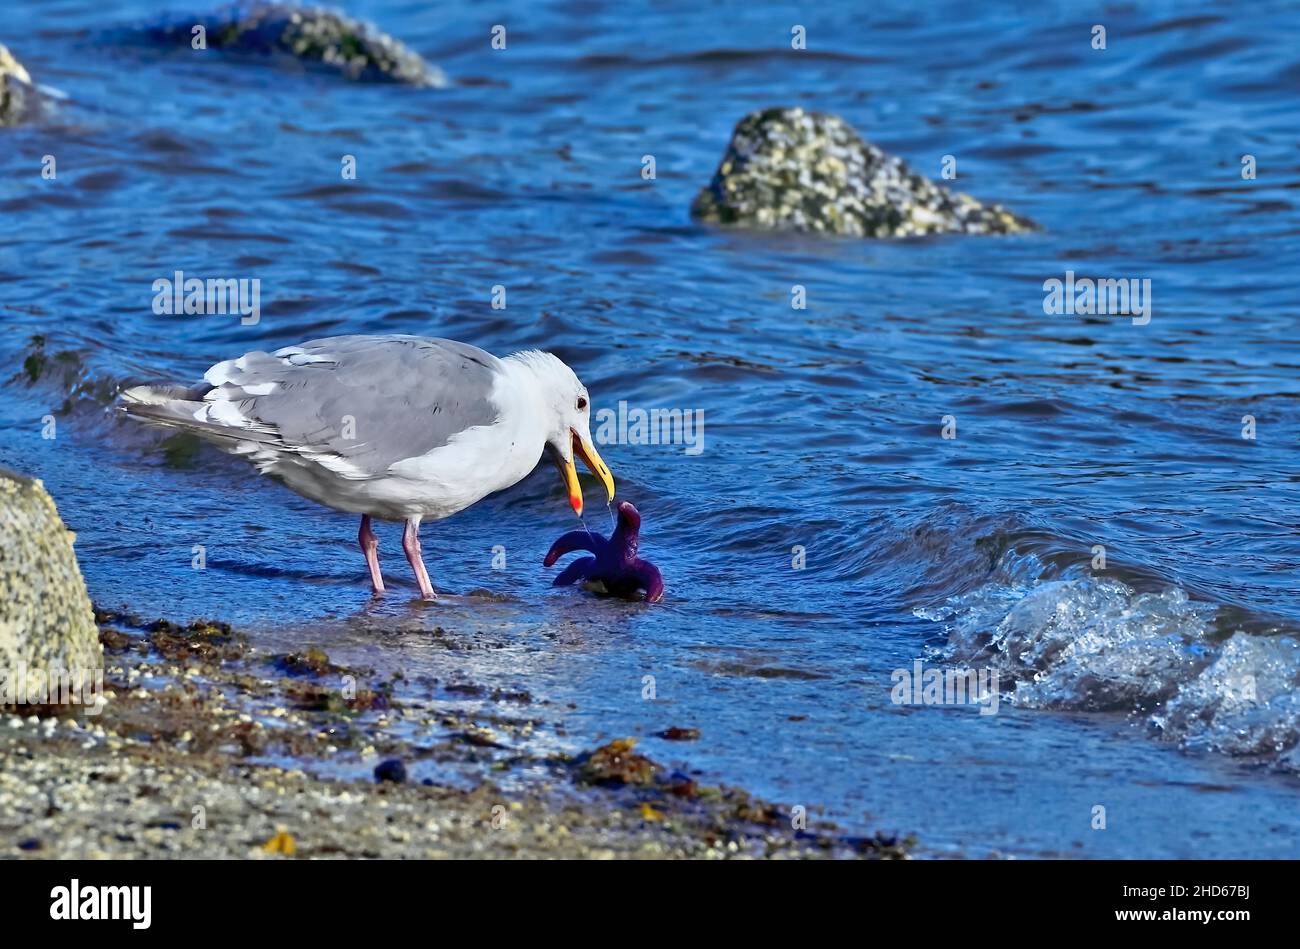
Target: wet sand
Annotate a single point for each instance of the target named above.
(209, 747)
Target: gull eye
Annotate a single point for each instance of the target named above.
(582, 402)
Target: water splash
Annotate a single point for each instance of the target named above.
(1096, 644)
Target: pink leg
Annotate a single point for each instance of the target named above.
(411, 544)
(370, 547)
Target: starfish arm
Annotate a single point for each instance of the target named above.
(575, 571)
(573, 540)
(649, 579)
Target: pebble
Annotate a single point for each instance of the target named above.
(391, 770)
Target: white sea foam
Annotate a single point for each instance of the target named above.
(1094, 643)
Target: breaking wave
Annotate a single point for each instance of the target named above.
(1203, 675)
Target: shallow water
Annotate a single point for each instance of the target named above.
(822, 426)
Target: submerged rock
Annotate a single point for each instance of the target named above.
(357, 49)
(18, 96)
(788, 169)
(46, 620)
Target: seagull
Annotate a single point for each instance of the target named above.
(400, 428)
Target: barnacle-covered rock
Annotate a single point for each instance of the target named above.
(46, 621)
(788, 169)
(18, 96)
(357, 49)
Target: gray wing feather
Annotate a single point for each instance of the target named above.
(398, 396)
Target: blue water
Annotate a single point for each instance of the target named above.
(822, 426)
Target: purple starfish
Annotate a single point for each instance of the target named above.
(615, 564)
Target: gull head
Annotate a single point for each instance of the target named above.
(566, 409)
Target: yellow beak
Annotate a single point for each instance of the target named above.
(591, 458)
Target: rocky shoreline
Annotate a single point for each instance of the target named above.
(206, 746)
(122, 737)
